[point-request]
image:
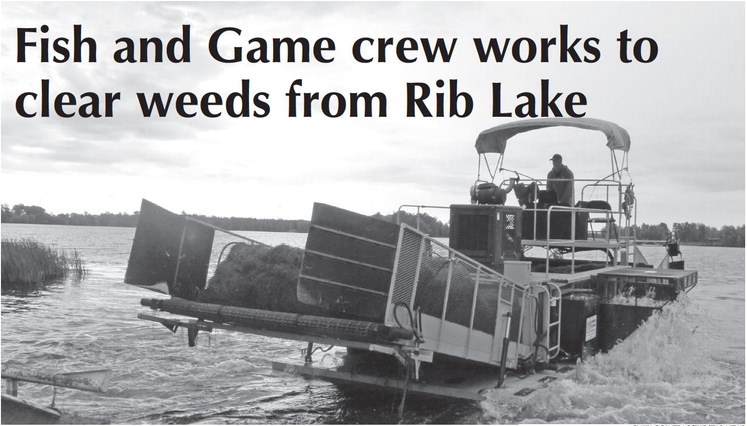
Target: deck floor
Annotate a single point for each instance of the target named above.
(586, 244)
(575, 278)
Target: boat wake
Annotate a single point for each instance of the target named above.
(629, 299)
(664, 372)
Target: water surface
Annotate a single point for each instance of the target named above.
(684, 366)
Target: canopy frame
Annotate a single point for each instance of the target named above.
(494, 140)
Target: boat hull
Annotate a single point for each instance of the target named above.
(617, 322)
(16, 411)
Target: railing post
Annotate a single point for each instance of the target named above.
(417, 272)
(446, 299)
(472, 314)
(11, 387)
(179, 256)
(498, 317)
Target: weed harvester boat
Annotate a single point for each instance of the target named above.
(452, 320)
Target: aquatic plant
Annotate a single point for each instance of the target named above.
(257, 277)
(28, 265)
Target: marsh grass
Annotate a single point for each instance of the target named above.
(30, 265)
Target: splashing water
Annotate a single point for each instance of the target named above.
(662, 373)
(627, 298)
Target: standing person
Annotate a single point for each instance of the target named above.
(563, 188)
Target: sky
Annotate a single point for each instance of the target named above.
(684, 108)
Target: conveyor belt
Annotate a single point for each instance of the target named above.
(282, 321)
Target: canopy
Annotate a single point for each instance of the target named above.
(494, 139)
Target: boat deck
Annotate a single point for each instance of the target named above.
(574, 278)
(581, 244)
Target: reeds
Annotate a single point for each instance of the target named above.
(28, 265)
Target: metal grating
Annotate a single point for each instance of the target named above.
(510, 221)
(473, 232)
(406, 267)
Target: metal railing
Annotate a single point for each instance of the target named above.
(456, 305)
(417, 215)
(615, 219)
(551, 335)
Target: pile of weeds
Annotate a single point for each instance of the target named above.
(258, 277)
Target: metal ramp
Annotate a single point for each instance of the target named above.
(361, 267)
(369, 277)
(176, 254)
(455, 305)
(357, 267)
(347, 263)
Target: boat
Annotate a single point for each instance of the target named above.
(20, 411)
(518, 295)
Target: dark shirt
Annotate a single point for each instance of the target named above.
(564, 189)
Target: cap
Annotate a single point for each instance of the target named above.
(557, 157)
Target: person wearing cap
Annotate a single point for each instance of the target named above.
(560, 180)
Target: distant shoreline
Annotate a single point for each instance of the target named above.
(35, 215)
(689, 234)
(685, 243)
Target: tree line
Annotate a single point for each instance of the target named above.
(688, 233)
(694, 233)
(20, 213)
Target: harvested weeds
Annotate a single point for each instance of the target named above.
(258, 277)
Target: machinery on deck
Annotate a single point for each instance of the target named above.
(441, 319)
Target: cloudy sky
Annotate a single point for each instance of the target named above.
(684, 110)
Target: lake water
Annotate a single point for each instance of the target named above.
(686, 365)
